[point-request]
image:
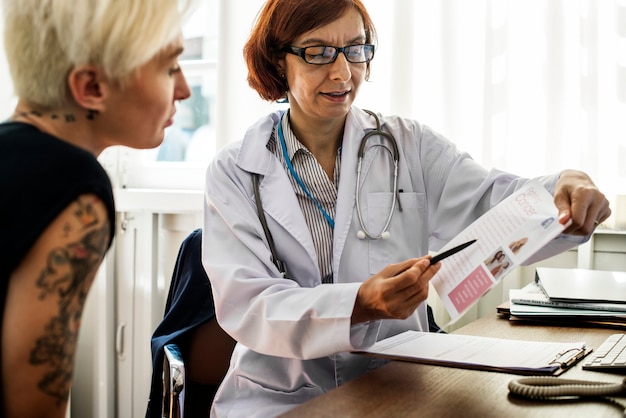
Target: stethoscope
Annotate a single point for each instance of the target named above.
(363, 232)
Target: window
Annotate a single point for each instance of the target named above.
(189, 144)
(192, 137)
(219, 111)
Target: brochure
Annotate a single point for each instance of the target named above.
(509, 234)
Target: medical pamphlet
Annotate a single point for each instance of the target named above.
(507, 235)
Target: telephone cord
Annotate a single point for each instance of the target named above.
(553, 388)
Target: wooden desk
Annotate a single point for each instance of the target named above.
(403, 389)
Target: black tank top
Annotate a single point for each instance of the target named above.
(40, 176)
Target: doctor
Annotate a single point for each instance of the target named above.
(352, 265)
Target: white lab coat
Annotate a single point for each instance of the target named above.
(294, 334)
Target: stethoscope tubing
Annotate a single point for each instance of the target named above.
(384, 233)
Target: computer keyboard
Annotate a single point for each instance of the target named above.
(611, 355)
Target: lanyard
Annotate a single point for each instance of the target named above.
(283, 146)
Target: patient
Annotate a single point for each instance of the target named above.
(88, 74)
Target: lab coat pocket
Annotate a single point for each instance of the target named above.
(276, 392)
(406, 228)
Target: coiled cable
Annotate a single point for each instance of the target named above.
(555, 388)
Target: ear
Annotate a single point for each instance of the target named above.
(280, 66)
(88, 87)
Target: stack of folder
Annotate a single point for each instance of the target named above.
(571, 296)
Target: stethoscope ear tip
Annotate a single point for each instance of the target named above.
(360, 235)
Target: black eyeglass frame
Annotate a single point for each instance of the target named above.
(301, 52)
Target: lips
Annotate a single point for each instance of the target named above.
(170, 121)
(337, 97)
(337, 94)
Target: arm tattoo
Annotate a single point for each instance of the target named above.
(64, 278)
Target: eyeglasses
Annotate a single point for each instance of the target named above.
(320, 55)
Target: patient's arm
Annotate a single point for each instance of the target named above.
(45, 300)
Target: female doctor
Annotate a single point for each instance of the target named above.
(349, 242)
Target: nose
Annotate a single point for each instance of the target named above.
(340, 68)
(181, 88)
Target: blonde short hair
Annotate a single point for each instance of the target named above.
(45, 39)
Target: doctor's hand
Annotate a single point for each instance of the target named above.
(577, 198)
(395, 292)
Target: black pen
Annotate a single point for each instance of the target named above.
(450, 252)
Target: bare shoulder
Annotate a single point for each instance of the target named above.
(44, 305)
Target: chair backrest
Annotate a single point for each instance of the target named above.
(188, 342)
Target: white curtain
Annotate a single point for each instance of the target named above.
(527, 86)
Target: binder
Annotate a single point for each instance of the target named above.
(582, 285)
(533, 294)
(529, 311)
(515, 312)
(480, 353)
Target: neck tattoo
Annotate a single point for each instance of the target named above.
(67, 117)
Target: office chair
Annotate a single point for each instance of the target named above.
(190, 351)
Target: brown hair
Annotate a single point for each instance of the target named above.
(280, 22)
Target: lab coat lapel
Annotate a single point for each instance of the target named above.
(279, 201)
(286, 210)
(354, 130)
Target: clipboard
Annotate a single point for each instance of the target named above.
(480, 353)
